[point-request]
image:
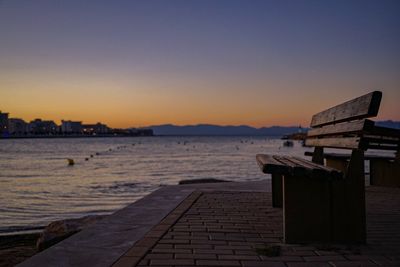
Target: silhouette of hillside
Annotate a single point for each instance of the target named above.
(209, 129)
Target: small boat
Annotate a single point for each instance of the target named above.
(288, 143)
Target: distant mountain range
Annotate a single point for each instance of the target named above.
(389, 124)
(208, 129)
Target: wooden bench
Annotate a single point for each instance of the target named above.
(383, 169)
(327, 203)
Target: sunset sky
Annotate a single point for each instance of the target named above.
(140, 63)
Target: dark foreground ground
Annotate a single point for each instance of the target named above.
(16, 248)
(227, 224)
(242, 229)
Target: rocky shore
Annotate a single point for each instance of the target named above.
(17, 248)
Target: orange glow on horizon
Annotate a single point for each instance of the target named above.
(151, 100)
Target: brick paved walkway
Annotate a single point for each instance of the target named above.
(242, 229)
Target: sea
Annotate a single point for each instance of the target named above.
(38, 186)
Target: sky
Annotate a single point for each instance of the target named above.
(141, 63)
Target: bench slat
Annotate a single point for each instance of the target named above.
(342, 128)
(296, 169)
(347, 156)
(340, 142)
(321, 171)
(302, 167)
(283, 165)
(384, 131)
(382, 142)
(361, 107)
(326, 169)
(269, 165)
(384, 147)
(312, 170)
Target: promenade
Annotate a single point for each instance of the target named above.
(222, 224)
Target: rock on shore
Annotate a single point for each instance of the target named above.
(17, 248)
(59, 230)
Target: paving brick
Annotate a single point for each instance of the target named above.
(231, 247)
(303, 253)
(194, 246)
(238, 257)
(163, 246)
(262, 264)
(357, 257)
(325, 258)
(157, 256)
(213, 251)
(169, 250)
(127, 262)
(300, 248)
(250, 252)
(173, 241)
(352, 263)
(308, 264)
(325, 252)
(196, 256)
(170, 262)
(282, 258)
(217, 263)
(211, 242)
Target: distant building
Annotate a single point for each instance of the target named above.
(3, 123)
(133, 132)
(71, 127)
(146, 132)
(39, 127)
(94, 129)
(17, 126)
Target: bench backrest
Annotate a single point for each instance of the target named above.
(365, 106)
(346, 126)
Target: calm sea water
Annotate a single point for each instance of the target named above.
(37, 186)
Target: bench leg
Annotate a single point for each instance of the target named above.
(277, 190)
(348, 206)
(306, 209)
(384, 172)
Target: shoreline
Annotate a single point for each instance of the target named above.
(69, 136)
(121, 136)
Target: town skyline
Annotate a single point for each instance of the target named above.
(18, 127)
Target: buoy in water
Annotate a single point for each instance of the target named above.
(70, 162)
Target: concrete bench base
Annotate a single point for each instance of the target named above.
(306, 214)
(385, 173)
